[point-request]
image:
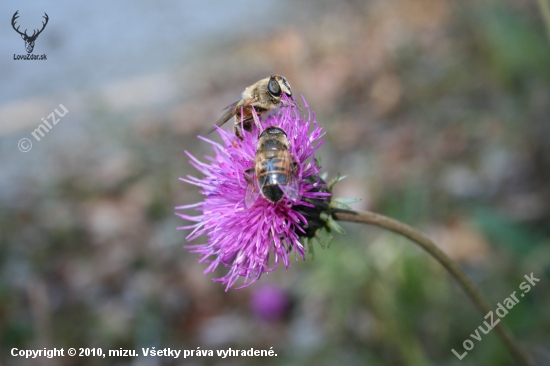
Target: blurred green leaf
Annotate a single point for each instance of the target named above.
(504, 233)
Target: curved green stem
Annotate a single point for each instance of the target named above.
(544, 6)
(465, 282)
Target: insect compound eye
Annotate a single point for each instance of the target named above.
(276, 130)
(274, 87)
(272, 131)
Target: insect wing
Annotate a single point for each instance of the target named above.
(231, 111)
(252, 191)
(292, 187)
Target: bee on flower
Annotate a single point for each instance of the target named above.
(262, 193)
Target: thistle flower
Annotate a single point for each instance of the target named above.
(254, 240)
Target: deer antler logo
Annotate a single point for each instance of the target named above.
(29, 40)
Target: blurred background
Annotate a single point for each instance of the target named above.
(438, 111)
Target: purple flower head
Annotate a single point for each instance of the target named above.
(254, 240)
